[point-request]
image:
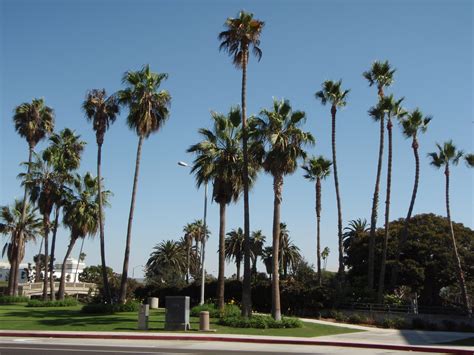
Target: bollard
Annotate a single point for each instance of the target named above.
(153, 302)
(143, 314)
(204, 321)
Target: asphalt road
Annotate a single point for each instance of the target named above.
(51, 346)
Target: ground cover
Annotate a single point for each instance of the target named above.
(19, 317)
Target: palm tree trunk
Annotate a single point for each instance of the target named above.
(237, 263)
(46, 256)
(246, 285)
(38, 263)
(220, 278)
(375, 204)
(62, 281)
(338, 197)
(462, 282)
(277, 189)
(387, 215)
(53, 247)
(123, 284)
(105, 279)
(318, 236)
(396, 266)
(188, 259)
(76, 276)
(13, 291)
(13, 263)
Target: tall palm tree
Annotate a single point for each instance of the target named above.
(168, 255)
(10, 224)
(64, 154)
(102, 110)
(234, 248)
(317, 169)
(241, 35)
(256, 246)
(333, 94)
(284, 141)
(148, 111)
(325, 255)
(448, 155)
(289, 253)
(357, 228)
(33, 121)
(469, 160)
(219, 159)
(187, 243)
(81, 215)
(381, 75)
(392, 109)
(43, 182)
(414, 122)
(267, 258)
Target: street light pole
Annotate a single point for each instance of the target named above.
(203, 241)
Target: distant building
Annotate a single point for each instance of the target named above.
(5, 272)
(71, 267)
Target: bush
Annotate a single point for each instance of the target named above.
(394, 323)
(418, 323)
(340, 317)
(67, 302)
(259, 322)
(104, 308)
(230, 310)
(13, 299)
(355, 319)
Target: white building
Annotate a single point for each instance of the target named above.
(71, 266)
(5, 272)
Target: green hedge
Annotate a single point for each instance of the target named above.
(13, 299)
(103, 308)
(230, 310)
(259, 322)
(67, 302)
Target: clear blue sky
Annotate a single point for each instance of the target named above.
(60, 49)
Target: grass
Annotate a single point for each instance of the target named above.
(19, 317)
(461, 342)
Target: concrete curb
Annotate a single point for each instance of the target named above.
(243, 339)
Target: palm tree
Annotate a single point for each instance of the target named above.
(325, 255)
(448, 155)
(10, 224)
(317, 169)
(284, 140)
(331, 92)
(256, 247)
(241, 35)
(81, 215)
(148, 111)
(168, 255)
(414, 122)
(220, 160)
(469, 160)
(380, 74)
(392, 109)
(357, 228)
(33, 121)
(102, 110)
(267, 258)
(187, 243)
(43, 182)
(234, 248)
(64, 154)
(289, 254)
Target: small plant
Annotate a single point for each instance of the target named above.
(13, 299)
(340, 317)
(355, 319)
(394, 323)
(67, 302)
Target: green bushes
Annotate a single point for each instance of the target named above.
(259, 322)
(394, 323)
(230, 310)
(13, 299)
(67, 302)
(103, 308)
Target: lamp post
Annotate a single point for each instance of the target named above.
(203, 242)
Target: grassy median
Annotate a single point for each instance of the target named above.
(19, 317)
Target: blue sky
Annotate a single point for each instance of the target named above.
(58, 50)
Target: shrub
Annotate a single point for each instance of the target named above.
(230, 310)
(418, 323)
(259, 322)
(394, 323)
(104, 308)
(340, 317)
(67, 302)
(355, 319)
(13, 299)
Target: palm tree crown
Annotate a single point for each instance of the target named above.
(447, 154)
(331, 92)
(415, 122)
(34, 121)
(167, 255)
(317, 168)
(234, 245)
(65, 151)
(148, 107)
(469, 160)
(380, 74)
(101, 110)
(241, 33)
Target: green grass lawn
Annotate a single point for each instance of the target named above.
(19, 317)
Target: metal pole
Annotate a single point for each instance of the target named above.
(203, 247)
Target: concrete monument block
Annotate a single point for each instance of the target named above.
(143, 315)
(177, 313)
(153, 302)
